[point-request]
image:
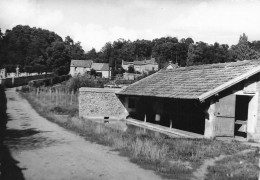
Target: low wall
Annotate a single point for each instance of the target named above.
(100, 103)
(19, 81)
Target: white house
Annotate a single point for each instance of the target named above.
(80, 66)
(102, 69)
(141, 66)
(83, 66)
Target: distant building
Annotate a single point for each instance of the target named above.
(171, 65)
(141, 66)
(131, 76)
(80, 66)
(84, 66)
(2, 73)
(102, 69)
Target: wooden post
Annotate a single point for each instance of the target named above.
(259, 167)
(170, 123)
(50, 95)
(145, 118)
(71, 96)
(57, 96)
(12, 81)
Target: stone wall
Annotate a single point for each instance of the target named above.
(19, 81)
(100, 103)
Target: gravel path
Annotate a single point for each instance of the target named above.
(46, 151)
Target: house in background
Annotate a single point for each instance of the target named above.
(80, 66)
(170, 65)
(141, 66)
(85, 66)
(2, 73)
(216, 100)
(102, 69)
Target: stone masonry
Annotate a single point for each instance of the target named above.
(100, 103)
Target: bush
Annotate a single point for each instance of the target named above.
(86, 80)
(48, 81)
(123, 81)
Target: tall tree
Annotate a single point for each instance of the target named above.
(59, 58)
(92, 54)
(242, 51)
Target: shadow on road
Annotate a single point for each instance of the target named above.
(8, 165)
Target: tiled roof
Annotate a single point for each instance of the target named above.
(193, 82)
(81, 63)
(100, 66)
(127, 63)
(144, 62)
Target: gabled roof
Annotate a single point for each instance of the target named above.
(171, 65)
(193, 82)
(100, 66)
(127, 63)
(144, 62)
(81, 63)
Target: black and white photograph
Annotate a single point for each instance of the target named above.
(129, 89)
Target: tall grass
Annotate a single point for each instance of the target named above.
(59, 100)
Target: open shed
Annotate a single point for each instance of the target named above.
(213, 100)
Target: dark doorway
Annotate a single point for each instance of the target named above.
(241, 115)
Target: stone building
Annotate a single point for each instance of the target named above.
(102, 69)
(100, 103)
(141, 66)
(83, 66)
(216, 100)
(80, 66)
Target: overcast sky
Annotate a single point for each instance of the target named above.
(95, 22)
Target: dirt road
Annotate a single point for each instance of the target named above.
(46, 151)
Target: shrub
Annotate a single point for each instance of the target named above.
(48, 81)
(86, 80)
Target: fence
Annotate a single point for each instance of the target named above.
(19, 81)
(55, 96)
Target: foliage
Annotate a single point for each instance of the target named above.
(131, 69)
(85, 80)
(93, 72)
(37, 50)
(48, 81)
(242, 50)
(202, 53)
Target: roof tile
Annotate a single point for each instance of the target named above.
(189, 82)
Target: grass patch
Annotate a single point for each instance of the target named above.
(169, 157)
(236, 167)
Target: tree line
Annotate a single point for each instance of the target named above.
(36, 49)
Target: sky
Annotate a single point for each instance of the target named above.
(95, 22)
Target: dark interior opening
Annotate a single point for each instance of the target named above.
(184, 114)
(241, 115)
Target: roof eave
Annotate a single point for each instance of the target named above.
(156, 96)
(228, 84)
